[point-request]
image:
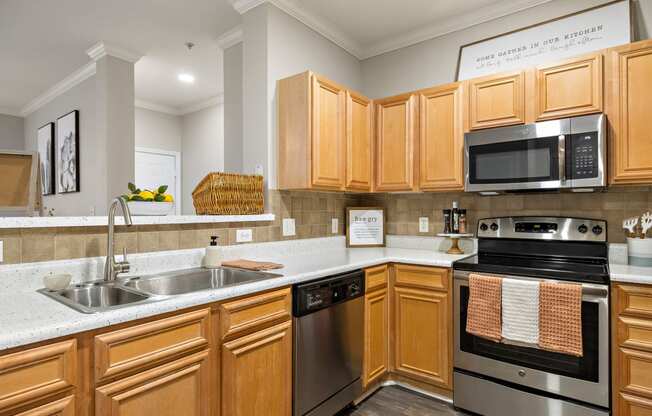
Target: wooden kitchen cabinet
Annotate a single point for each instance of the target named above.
(441, 138)
(376, 325)
(496, 100)
(628, 111)
(423, 326)
(311, 133)
(181, 387)
(257, 373)
(396, 143)
(61, 407)
(359, 142)
(569, 88)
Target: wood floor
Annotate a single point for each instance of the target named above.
(397, 401)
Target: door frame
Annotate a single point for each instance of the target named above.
(177, 164)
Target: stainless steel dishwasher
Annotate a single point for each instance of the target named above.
(328, 343)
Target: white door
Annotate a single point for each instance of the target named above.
(159, 167)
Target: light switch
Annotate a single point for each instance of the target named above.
(288, 227)
(243, 236)
(334, 225)
(423, 224)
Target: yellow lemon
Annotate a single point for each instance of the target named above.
(146, 195)
(168, 198)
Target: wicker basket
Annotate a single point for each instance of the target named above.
(229, 194)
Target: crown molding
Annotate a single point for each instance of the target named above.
(230, 38)
(243, 6)
(160, 108)
(7, 111)
(446, 26)
(102, 49)
(59, 88)
(211, 102)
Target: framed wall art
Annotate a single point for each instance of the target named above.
(67, 153)
(45, 148)
(365, 227)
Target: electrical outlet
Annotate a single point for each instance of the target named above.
(288, 227)
(244, 236)
(259, 170)
(2, 251)
(334, 226)
(423, 224)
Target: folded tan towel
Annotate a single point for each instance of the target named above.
(483, 317)
(252, 265)
(560, 318)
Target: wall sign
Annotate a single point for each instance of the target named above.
(365, 227)
(597, 28)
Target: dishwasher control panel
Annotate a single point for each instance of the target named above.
(313, 296)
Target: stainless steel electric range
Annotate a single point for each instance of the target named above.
(497, 379)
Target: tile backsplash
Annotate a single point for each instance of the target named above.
(313, 212)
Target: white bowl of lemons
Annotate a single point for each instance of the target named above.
(147, 202)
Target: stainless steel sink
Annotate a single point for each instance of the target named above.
(96, 296)
(194, 280)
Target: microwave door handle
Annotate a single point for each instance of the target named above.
(562, 158)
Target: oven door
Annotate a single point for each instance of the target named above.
(528, 157)
(583, 378)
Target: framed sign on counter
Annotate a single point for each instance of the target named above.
(365, 227)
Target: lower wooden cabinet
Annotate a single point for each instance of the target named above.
(257, 373)
(627, 405)
(376, 325)
(181, 387)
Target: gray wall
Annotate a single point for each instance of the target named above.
(202, 150)
(12, 132)
(434, 61)
(92, 180)
(233, 117)
(158, 130)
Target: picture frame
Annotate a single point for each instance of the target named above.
(502, 53)
(67, 153)
(45, 149)
(365, 227)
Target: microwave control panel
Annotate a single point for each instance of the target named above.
(583, 156)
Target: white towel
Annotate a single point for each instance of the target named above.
(521, 311)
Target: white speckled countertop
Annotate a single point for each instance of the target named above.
(27, 316)
(625, 273)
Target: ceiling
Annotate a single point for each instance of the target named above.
(44, 41)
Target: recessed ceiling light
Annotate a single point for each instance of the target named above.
(187, 78)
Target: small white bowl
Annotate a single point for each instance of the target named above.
(57, 281)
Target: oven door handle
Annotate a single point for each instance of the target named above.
(590, 291)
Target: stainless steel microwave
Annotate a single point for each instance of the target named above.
(564, 154)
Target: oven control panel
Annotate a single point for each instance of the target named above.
(543, 228)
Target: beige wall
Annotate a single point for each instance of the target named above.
(156, 130)
(12, 132)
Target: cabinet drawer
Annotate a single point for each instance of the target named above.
(255, 312)
(635, 374)
(633, 406)
(33, 374)
(421, 276)
(140, 346)
(634, 300)
(375, 278)
(634, 333)
(62, 407)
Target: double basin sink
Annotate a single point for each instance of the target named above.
(99, 296)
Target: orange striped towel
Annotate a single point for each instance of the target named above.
(560, 318)
(484, 311)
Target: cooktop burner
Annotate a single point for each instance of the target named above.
(557, 248)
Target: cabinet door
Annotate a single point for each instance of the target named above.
(396, 120)
(422, 331)
(497, 100)
(376, 324)
(629, 113)
(569, 88)
(62, 407)
(441, 138)
(359, 142)
(179, 388)
(257, 373)
(327, 134)
(632, 406)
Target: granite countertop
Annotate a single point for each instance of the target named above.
(625, 273)
(27, 316)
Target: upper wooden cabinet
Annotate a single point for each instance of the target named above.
(497, 100)
(569, 88)
(441, 138)
(324, 135)
(630, 99)
(396, 143)
(359, 142)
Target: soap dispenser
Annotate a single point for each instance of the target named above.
(213, 257)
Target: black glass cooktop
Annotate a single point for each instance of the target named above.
(590, 270)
